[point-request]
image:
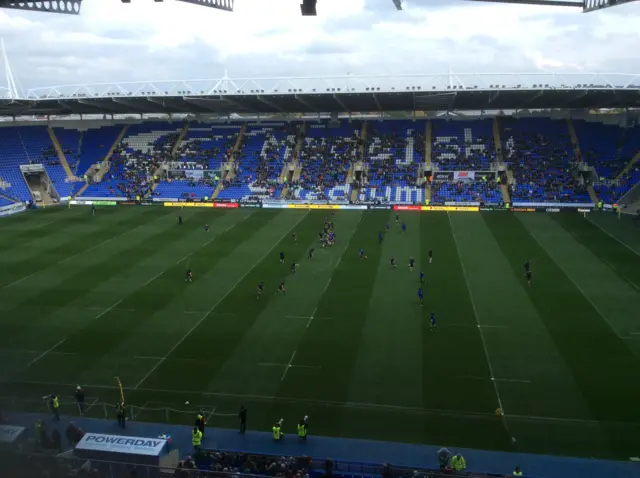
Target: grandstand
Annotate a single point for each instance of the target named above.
(365, 161)
(86, 298)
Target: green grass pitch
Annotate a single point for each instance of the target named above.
(85, 299)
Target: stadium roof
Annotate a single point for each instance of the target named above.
(223, 96)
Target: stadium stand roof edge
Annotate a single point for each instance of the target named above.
(226, 96)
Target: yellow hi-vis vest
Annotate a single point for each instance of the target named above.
(458, 464)
(517, 473)
(276, 432)
(196, 437)
(302, 430)
(55, 403)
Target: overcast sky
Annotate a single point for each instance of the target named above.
(144, 40)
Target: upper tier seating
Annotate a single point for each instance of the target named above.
(463, 145)
(393, 153)
(542, 157)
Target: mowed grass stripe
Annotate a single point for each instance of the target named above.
(219, 329)
(284, 322)
(83, 239)
(86, 275)
(34, 219)
(626, 229)
(457, 340)
(49, 226)
(333, 344)
(604, 369)
(620, 258)
(391, 334)
(112, 339)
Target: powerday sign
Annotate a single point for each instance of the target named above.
(121, 444)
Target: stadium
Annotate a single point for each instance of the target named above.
(417, 274)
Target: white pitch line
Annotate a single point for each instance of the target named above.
(102, 243)
(147, 358)
(19, 280)
(614, 237)
(288, 365)
(46, 352)
(208, 312)
(517, 380)
(596, 308)
(110, 308)
(475, 313)
(152, 279)
(610, 264)
(185, 258)
(325, 403)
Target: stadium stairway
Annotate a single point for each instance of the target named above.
(629, 165)
(61, 156)
(183, 133)
(105, 162)
(574, 138)
(81, 190)
(428, 134)
(592, 194)
(498, 142)
(506, 198)
(363, 140)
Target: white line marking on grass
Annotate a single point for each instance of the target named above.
(610, 264)
(517, 380)
(152, 279)
(324, 403)
(141, 357)
(101, 243)
(614, 238)
(287, 366)
(109, 309)
(484, 343)
(596, 308)
(208, 312)
(20, 280)
(49, 350)
(185, 258)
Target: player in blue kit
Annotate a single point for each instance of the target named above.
(380, 237)
(433, 321)
(362, 256)
(404, 227)
(421, 296)
(421, 277)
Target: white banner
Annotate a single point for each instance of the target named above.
(121, 444)
(9, 434)
(12, 209)
(453, 203)
(552, 204)
(464, 175)
(194, 173)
